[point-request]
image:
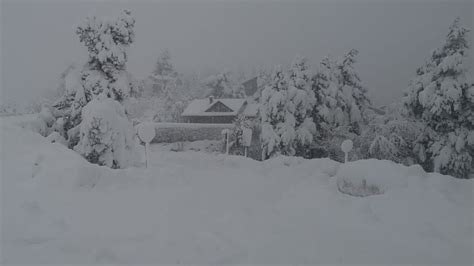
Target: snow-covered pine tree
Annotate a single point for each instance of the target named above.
(301, 101)
(327, 86)
(164, 76)
(103, 76)
(442, 97)
(163, 66)
(320, 84)
(357, 100)
(277, 131)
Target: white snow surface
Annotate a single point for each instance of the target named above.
(193, 207)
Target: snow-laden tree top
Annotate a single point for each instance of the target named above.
(106, 41)
(163, 66)
(442, 92)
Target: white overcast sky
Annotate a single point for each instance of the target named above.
(394, 37)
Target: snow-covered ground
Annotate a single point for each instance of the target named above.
(194, 207)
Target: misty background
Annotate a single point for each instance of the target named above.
(394, 38)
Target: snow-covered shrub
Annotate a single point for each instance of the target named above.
(106, 134)
(47, 116)
(55, 137)
(442, 97)
(370, 177)
(36, 125)
(331, 144)
(382, 148)
(236, 134)
(392, 140)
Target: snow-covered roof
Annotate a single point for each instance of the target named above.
(198, 107)
(251, 109)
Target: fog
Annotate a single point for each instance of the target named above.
(393, 38)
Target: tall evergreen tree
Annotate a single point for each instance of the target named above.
(163, 66)
(442, 97)
(277, 123)
(104, 74)
(324, 84)
(301, 101)
(357, 100)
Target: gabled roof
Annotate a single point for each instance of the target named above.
(202, 107)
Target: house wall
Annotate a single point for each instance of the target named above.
(210, 119)
(178, 132)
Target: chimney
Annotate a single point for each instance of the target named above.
(211, 99)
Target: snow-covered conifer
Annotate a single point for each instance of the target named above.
(357, 100)
(301, 101)
(441, 96)
(163, 66)
(104, 74)
(273, 113)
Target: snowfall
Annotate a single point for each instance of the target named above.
(209, 208)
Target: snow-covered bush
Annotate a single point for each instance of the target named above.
(382, 148)
(236, 134)
(442, 97)
(106, 134)
(371, 177)
(46, 115)
(330, 146)
(55, 137)
(393, 140)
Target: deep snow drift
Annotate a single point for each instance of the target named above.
(193, 207)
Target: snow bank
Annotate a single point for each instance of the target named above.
(208, 146)
(372, 177)
(199, 208)
(30, 122)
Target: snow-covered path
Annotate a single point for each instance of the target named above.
(194, 207)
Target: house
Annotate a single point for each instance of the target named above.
(218, 111)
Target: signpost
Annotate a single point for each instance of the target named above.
(226, 133)
(146, 132)
(346, 147)
(246, 139)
